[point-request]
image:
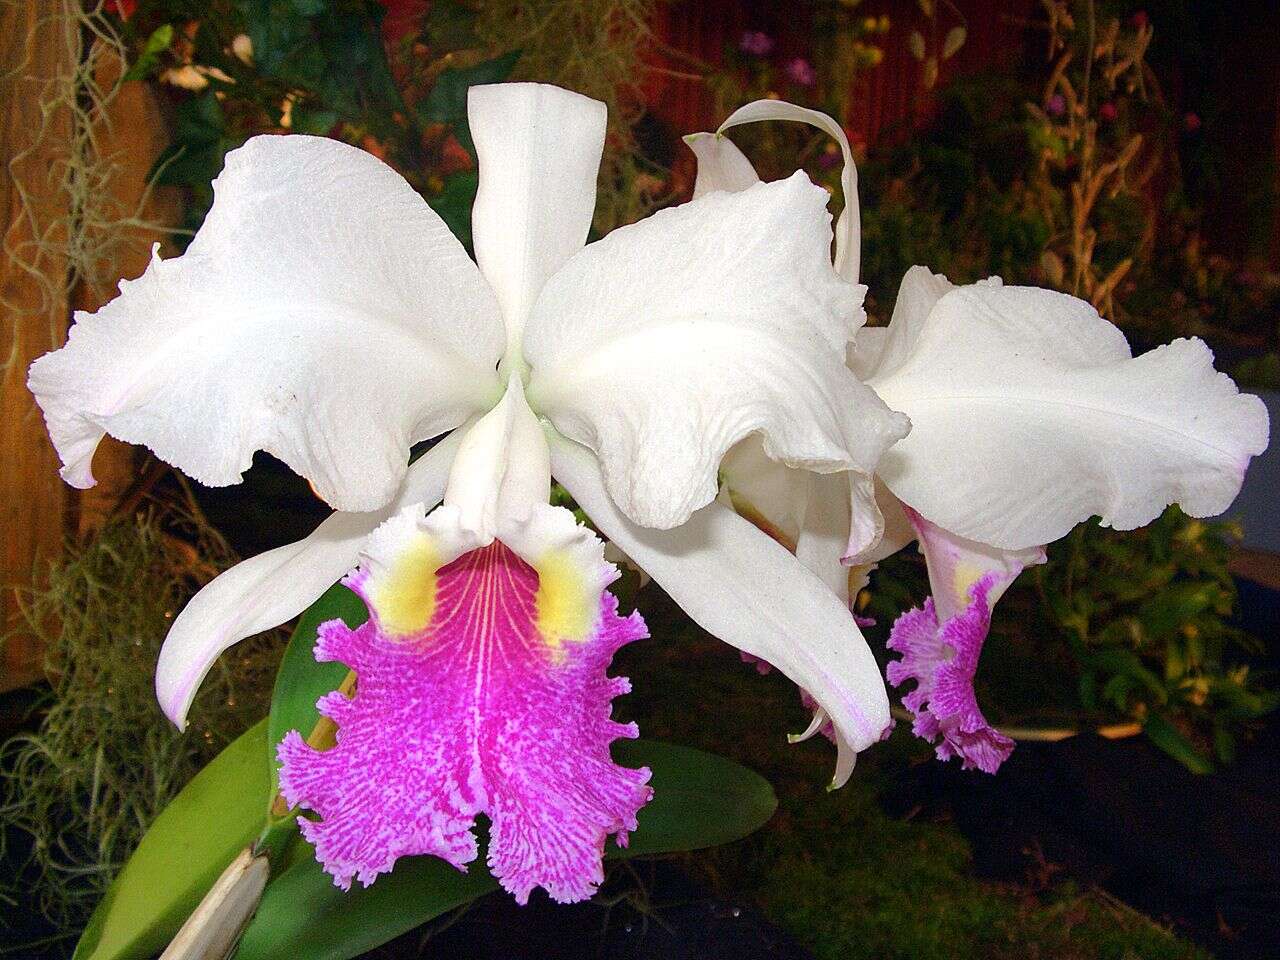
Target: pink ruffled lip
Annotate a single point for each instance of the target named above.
(477, 712)
(943, 660)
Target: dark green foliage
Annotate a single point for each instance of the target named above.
(1144, 614)
(843, 877)
(318, 67)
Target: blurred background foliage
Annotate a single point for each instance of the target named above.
(1071, 167)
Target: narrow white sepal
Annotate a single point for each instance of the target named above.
(745, 588)
(849, 227)
(271, 588)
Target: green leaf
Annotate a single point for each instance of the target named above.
(159, 41)
(216, 815)
(1171, 740)
(307, 119)
(447, 101)
(699, 800)
(454, 203)
(301, 681)
(1175, 605)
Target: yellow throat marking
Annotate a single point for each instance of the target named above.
(565, 607)
(404, 595)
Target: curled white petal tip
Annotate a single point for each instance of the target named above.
(815, 724)
(849, 227)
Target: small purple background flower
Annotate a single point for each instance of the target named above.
(757, 43)
(801, 72)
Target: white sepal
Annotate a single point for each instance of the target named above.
(538, 151)
(743, 587)
(273, 587)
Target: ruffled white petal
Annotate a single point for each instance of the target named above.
(538, 148)
(849, 227)
(273, 587)
(881, 351)
(1029, 415)
(745, 588)
(323, 313)
(667, 342)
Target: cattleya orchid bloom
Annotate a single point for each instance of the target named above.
(324, 313)
(1029, 415)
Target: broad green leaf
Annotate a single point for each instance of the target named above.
(303, 916)
(1170, 739)
(301, 681)
(447, 101)
(699, 800)
(454, 203)
(216, 815)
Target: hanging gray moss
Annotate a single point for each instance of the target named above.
(104, 761)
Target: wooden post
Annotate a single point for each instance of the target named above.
(33, 504)
(38, 48)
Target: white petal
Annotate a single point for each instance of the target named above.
(771, 495)
(667, 342)
(538, 148)
(880, 351)
(820, 517)
(323, 313)
(898, 531)
(502, 470)
(721, 165)
(1029, 416)
(745, 588)
(824, 531)
(849, 228)
(273, 587)
(956, 564)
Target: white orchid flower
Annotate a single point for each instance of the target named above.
(1029, 415)
(324, 313)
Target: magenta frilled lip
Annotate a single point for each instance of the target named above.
(481, 689)
(943, 659)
